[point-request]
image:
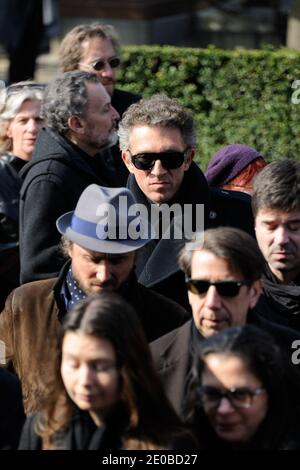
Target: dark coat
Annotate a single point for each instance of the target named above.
(53, 181)
(10, 166)
(157, 263)
(280, 303)
(171, 354)
(231, 209)
(121, 100)
(116, 169)
(11, 410)
(30, 324)
(81, 434)
(10, 186)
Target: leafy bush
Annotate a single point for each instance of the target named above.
(236, 96)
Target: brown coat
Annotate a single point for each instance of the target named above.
(29, 326)
(170, 355)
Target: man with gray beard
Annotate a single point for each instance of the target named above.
(80, 123)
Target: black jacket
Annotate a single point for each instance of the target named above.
(10, 186)
(121, 100)
(11, 410)
(231, 209)
(10, 166)
(157, 263)
(116, 170)
(280, 303)
(80, 434)
(53, 181)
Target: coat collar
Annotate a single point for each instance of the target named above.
(174, 346)
(172, 357)
(158, 260)
(51, 146)
(57, 290)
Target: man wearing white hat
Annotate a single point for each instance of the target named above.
(101, 237)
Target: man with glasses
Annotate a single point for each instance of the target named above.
(223, 280)
(158, 142)
(96, 48)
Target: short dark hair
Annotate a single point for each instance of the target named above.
(238, 248)
(277, 186)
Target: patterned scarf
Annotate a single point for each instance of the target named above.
(72, 290)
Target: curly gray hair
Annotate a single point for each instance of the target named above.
(157, 111)
(66, 96)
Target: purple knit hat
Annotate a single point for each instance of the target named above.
(228, 162)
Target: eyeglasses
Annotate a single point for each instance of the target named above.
(17, 88)
(169, 160)
(224, 288)
(99, 64)
(240, 397)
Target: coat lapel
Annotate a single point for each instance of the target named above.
(173, 362)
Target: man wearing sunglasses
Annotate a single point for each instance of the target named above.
(223, 280)
(158, 142)
(96, 48)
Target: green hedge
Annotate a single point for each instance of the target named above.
(236, 96)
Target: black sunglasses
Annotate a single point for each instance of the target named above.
(113, 62)
(240, 397)
(224, 288)
(169, 160)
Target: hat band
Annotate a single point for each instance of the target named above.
(100, 231)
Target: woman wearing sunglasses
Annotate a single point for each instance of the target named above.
(243, 394)
(104, 393)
